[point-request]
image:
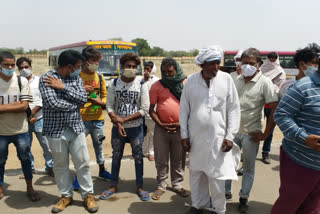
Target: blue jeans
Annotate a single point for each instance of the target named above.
(135, 138)
(250, 150)
(95, 129)
(36, 128)
(267, 142)
(21, 142)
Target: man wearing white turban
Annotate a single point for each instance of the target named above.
(209, 120)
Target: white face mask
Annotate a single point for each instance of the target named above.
(309, 70)
(248, 70)
(129, 73)
(92, 67)
(25, 72)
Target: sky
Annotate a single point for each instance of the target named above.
(280, 25)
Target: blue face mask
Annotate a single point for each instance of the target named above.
(8, 72)
(75, 73)
(310, 70)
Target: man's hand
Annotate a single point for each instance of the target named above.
(121, 130)
(226, 145)
(170, 127)
(96, 101)
(186, 144)
(116, 119)
(313, 141)
(88, 88)
(53, 82)
(257, 136)
(32, 119)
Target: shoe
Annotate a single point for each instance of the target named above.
(75, 184)
(62, 204)
(194, 210)
(266, 158)
(228, 196)
(243, 206)
(105, 175)
(240, 171)
(91, 204)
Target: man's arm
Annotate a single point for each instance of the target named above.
(49, 97)
(76, 93)
(16, 107)
(184, 114)
(233, 112)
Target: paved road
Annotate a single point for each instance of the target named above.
(264, 193)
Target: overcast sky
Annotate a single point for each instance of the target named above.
(171, 24)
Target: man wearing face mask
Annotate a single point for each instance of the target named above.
(306, 60)
(36, 117)
(13, 120)
(208, 125)
(63, 93)
(91, 112)
(127, 103)
(237, 61)
(254, 90)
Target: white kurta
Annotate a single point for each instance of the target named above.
(207, 117)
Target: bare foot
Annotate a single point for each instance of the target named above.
(31, 193)
(150, 157)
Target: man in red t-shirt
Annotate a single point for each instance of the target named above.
(165, 96)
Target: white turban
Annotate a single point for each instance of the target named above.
(154, 69)
(238, 55)
(209, 54)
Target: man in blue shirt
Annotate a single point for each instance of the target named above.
(298, 117)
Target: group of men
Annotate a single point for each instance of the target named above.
(211, 115)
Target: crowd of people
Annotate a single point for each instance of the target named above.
(213, 116)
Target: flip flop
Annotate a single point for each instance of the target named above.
(182, 192)
(144, 196)
(157, 194)
(34, 196)
(106, 194)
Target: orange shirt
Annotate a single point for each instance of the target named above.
(167, 103)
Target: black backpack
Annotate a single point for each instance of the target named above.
(28, 110)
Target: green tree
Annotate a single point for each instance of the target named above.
(142, 46)
(157, 51)
(194, 52)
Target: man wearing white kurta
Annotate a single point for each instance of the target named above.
(209, 120)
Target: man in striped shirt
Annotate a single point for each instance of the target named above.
(298, 117)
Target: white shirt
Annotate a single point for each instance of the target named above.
(149, 83)
(37, 100)
(207, 117)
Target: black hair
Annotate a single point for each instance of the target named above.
(6, 55)
(91, 52)
(148, 64)
(272, 55)
(69, 57)
(129, 57)
(169, 61)
(23, 59)
(252, 52)
(307, 54)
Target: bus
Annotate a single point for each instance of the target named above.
(285, 58)
(109, 65)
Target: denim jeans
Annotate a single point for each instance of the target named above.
(135, 138)
(95, 129)
(36, 128)
(267, 142)
(250, 150)
(75, 145)
(21, 142)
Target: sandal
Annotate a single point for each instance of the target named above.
(33, 196)
(157, 194)
(150, 157)
(182, 192)
(144, 196)
(106, 194)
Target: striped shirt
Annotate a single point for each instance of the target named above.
(61, 108)
(298, 115)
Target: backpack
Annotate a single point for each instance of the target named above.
(28, 110)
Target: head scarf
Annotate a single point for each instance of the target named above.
(209, 54)
(238, 55)
(274, 72)
(175, 83)
(154, 69)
